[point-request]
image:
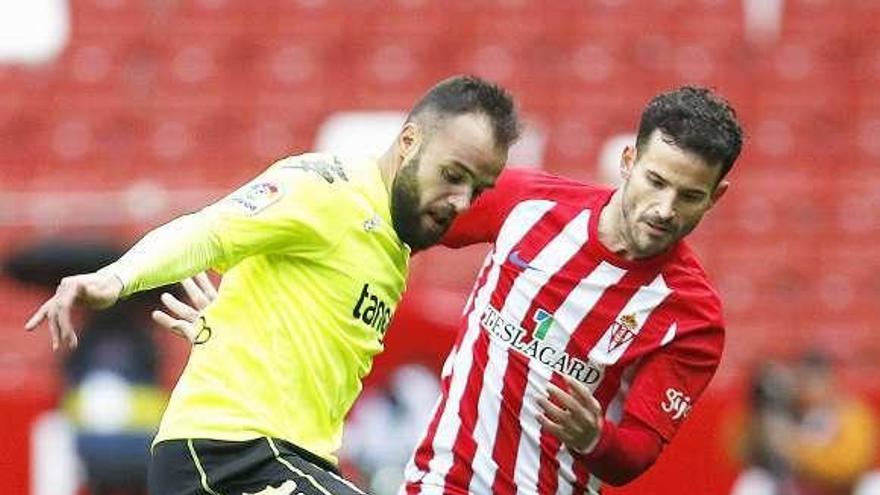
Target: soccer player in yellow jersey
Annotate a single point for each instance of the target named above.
(314, 255)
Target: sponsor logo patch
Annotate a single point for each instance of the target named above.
(257, 197)
(555, 358)
(676, 404)
(372, 310)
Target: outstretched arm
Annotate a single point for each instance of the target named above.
(169, 253)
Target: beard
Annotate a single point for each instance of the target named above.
(406, 214)
(638, 244)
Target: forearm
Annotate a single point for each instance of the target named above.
(168, 254)
(624, 452)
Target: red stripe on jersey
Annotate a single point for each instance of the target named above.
(588, 333)
(503, 285)
(465, 446)
(605, 311)
(548, 472)
(549, 298)
(508, 434)
(515, 381)
(425, 452)
(462, 322)
(504, 454)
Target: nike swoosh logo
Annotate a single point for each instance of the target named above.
(517, 260)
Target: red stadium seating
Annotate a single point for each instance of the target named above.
(202, 94)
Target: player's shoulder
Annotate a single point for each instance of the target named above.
(697, 299)
(320, 168)
(532, 183)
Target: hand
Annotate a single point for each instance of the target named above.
(182, 318)
(573, 416)
(92, 290)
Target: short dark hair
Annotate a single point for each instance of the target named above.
(696, 120)
(469, 94)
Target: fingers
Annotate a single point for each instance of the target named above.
(582, 395)
(551, 427)
(552, 411)
(182, 328)
(38, 316)
(65, 297)
(195, 294)
(587, 411)
(562, 397)
(204, 282)
(178, 308)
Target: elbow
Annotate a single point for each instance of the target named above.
(621, 478)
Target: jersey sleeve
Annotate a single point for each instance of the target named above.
(670, 381)
(287, 209)
(482, 221)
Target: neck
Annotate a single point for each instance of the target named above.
(389, 164)
(610, 225)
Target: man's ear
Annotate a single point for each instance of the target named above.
(627, 161)
(409, 140)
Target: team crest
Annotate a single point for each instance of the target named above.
(257, 197)
(622, 331)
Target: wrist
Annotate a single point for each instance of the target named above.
(594, 442)
(112, 281)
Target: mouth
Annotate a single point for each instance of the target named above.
(657, 230)
(441, 221)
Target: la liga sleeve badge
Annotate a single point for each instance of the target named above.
(256, 197)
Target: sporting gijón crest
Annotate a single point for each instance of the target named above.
(622, 331)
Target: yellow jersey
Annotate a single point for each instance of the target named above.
(313, 271)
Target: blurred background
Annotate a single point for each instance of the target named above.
(118, 115)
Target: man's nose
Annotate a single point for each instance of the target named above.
(460, 202)
(665, 208)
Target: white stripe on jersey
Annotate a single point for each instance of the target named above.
(614, 411)
(450, 359)
(519, 222)
(526, 286)
(566, 320)
(670, 334)
(640, 306)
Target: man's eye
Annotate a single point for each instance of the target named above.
(452, 176)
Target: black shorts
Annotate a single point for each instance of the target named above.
(216, 467)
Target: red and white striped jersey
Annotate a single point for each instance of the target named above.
(644, 336)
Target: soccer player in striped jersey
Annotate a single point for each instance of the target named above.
(314, 254)
(592, 328)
